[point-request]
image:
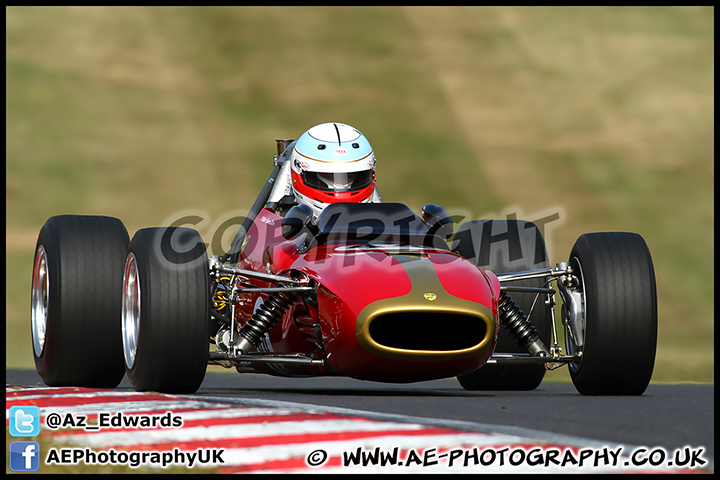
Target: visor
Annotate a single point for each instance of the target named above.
(338, 182)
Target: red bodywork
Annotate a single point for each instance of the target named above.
(381, 313)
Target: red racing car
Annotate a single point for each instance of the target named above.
(371, 291)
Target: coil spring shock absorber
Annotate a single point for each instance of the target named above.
(263, 320)
(524, 333)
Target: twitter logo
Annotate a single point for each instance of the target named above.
(24, 421)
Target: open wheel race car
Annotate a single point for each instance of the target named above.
(371, 291)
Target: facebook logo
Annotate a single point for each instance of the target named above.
(24, 421)
(24, 456)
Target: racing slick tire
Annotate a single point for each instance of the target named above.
(75, 306)
(620, 327)
(504, 246)
(165, 310)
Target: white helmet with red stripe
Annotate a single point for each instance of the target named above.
(332, 162)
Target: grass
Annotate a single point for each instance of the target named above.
(602, 113)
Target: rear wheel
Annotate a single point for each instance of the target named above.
(619, 338)
(75, 307)
(166, 310)
(504, 246)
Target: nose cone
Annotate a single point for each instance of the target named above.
(430, 329)
(427, 323)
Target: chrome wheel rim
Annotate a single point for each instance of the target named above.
(573, 347)
(130, 310)
(40, 289)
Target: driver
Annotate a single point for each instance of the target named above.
(330, 163)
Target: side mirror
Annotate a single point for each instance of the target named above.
(438, 221)
(297, 218)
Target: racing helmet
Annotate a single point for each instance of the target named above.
(330, 163)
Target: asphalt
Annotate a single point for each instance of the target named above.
(671, 416)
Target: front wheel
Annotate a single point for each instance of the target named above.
(75, 306)
(618, 337)
(165, 310)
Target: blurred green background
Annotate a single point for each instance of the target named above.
(603, 115)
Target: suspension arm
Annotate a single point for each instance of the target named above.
(528, 290)
(518, 358)
(274, 289)
(562, 268)
(216, 266)
(296, 359)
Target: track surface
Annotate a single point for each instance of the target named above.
(669, 416)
